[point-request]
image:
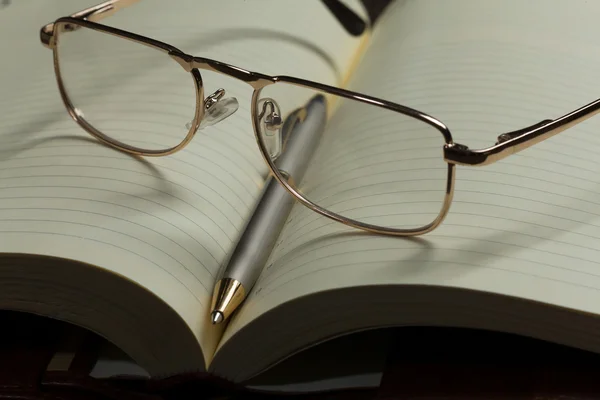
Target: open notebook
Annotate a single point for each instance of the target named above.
(131, 248)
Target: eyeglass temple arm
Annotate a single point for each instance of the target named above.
(513, 142)
(353, 24)
(94, 13)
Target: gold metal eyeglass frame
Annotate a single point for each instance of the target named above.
(453, 153)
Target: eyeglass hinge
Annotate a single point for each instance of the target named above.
(46, 34)
(457, 153)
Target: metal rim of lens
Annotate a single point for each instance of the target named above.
(283, 180)
(106, 139)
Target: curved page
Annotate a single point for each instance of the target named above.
(527, 227)
(166, 223)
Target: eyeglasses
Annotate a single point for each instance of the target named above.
(378, 166)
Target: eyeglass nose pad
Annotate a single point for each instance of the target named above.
(270, 123)
(216, 109)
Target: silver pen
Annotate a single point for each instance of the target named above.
(302, 131)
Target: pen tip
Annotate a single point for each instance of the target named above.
(216, 317)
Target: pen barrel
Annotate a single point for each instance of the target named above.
(273, 208)
(303, 139)
(262, 230)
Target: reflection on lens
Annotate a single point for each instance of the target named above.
(131, 93)
(365, 163)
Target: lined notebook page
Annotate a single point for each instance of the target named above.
(166, 223)
(528, 226)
